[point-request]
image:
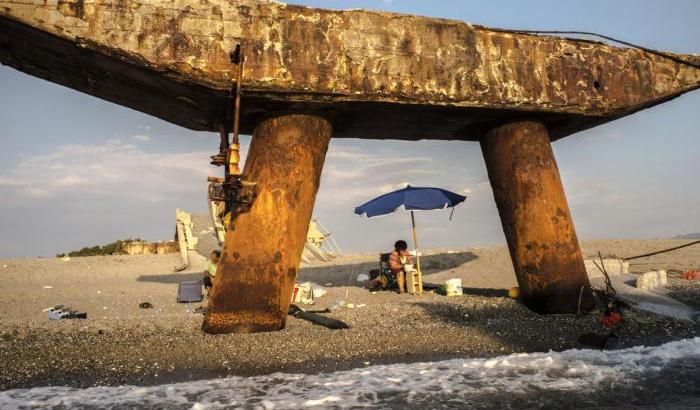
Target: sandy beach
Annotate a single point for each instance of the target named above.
(120, 343)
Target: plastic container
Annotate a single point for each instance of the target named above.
(453, 287)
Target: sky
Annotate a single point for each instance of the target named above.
(77, 171)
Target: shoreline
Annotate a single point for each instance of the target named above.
(152, 356)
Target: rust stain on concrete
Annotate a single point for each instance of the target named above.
(536, 219)
(253, 287)
(351, 63)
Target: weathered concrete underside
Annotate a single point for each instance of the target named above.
(379, 75)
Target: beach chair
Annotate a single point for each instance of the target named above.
(413, 279)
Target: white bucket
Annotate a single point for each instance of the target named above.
(453, 287)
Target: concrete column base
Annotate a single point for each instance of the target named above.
(262, 252)
(536, 219)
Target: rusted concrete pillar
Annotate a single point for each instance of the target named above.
(536, 219)
(261, 256)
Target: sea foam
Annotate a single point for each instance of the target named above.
(665, 376)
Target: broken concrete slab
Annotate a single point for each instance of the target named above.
(655, 301)
(652, 280)
(611, 265)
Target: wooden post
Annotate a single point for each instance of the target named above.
(255, 278)
(536, 219)
(415, 246)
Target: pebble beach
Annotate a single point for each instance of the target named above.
(120, 343)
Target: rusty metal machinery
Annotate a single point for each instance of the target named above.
(261, 255)
(232, 190)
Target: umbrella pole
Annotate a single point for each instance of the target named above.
(415, 246)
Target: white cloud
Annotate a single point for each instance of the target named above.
(352, 174)
(141, 137)
(587, 191)
(112, 169)
(392, 187)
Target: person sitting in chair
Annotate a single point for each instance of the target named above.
(397, 259)
(211, 268)
(209, 275)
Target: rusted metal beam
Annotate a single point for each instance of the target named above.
(536, 220)
(255, 278)
(382, 75)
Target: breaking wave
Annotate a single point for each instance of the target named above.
(665, 376)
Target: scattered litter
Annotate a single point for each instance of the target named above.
(104, 307)
(146, 305)
(57, 313)
(690, 275)
(361, 305)
(328, 284)
(99, 291)
(326, 310)
(366, 363)
(48, 287)
(318, 290)
(453, 287)
(337, 305)
(351, 306)
(653, 279)
(65, 258)
(52, 308)
(330, 323)
(611, 319)
(362, 277)
(303, 293)
(189, 291)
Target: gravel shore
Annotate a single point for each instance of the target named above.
(122, 344)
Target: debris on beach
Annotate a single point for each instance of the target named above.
(316, 318)
(652, 279)
(59, 312)
(690, 274)
(453, 287)
(307, 292)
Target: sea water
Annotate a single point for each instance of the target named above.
(666, 376)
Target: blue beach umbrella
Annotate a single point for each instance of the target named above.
(411, 199)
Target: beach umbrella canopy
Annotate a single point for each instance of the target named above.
(411, 199)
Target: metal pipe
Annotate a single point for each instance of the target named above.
(234, 149)
(415, 246)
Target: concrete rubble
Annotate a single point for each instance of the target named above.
(652, 280)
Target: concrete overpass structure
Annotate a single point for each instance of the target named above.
(313, 74)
